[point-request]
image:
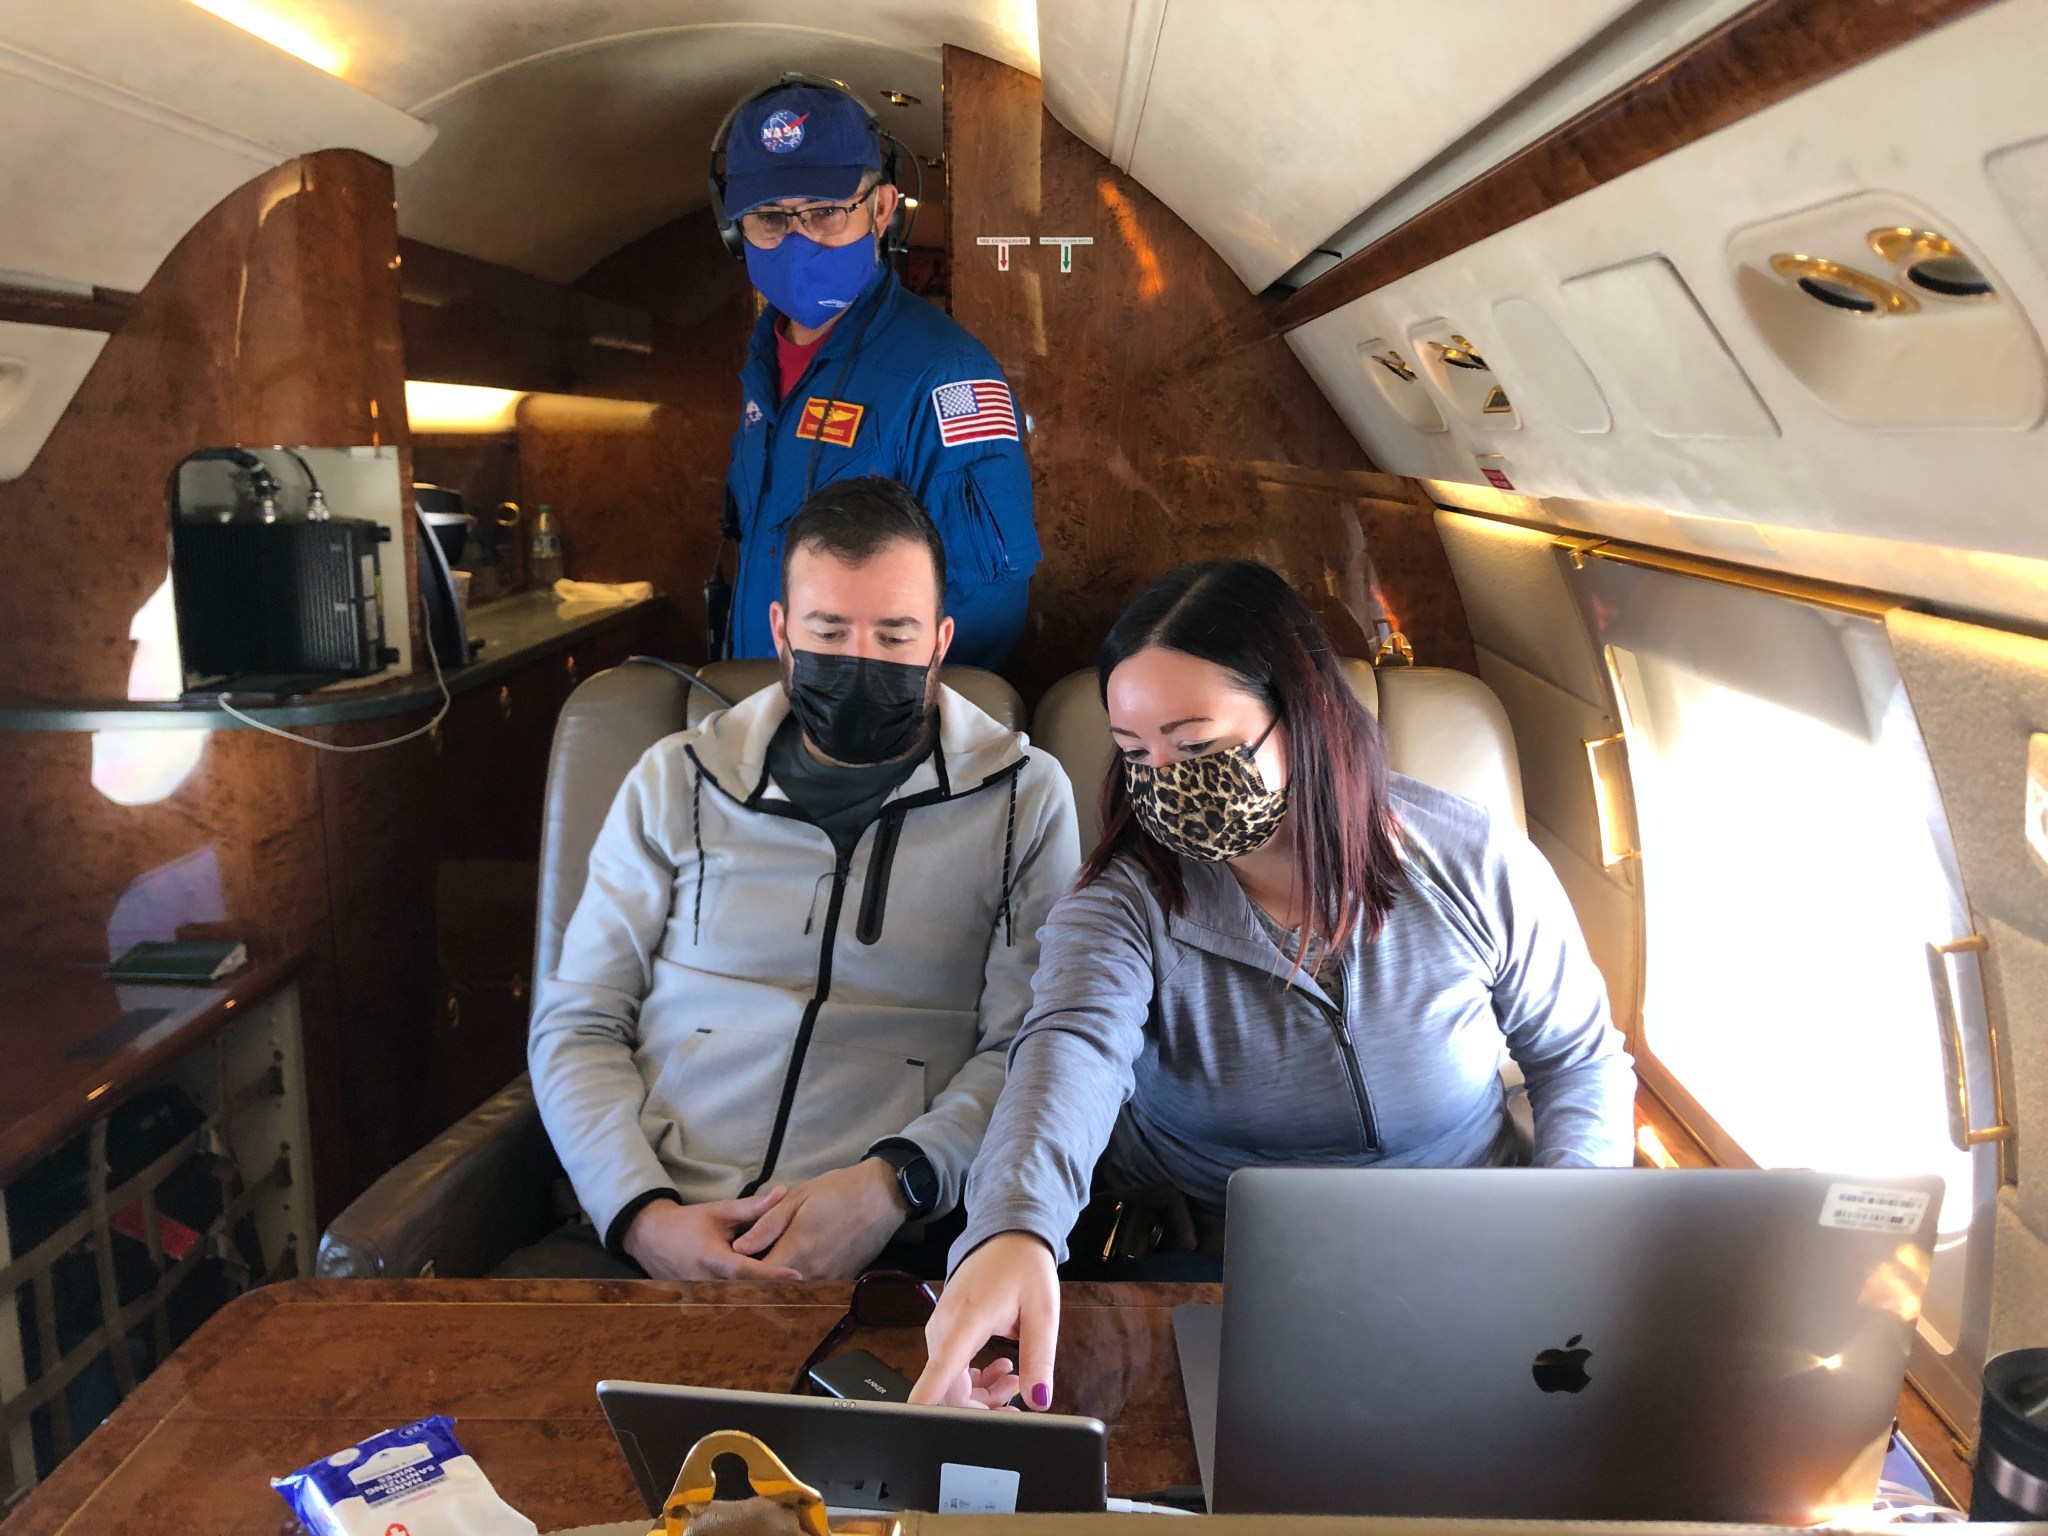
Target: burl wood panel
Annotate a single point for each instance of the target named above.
(274, 320)
(300, 1370)
(1760, 56)
(639, 494)
(1145, 452)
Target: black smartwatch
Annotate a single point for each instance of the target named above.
(915, 1175)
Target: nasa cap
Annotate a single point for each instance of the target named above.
(798, 141)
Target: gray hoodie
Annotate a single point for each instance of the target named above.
(1187, 1023)
(733, 1002)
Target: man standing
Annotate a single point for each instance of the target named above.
(777, 1028)
(850, 374)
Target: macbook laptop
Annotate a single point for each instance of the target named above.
(869, 1457)
(1557, 1343)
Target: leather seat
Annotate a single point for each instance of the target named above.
(490, 1183)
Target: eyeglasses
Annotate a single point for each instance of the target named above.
(769, 227)
(884, 1299)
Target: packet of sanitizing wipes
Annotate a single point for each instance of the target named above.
(416, 1478)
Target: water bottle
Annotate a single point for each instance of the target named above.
(545, 551)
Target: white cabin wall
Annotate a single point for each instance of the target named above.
(1803, 490)
(122, 124)
(1981, 697)
(1271, 129)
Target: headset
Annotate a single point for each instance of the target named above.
(895, 239)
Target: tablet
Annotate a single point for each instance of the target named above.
(872, 1456)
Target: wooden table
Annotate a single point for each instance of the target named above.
(299, 1370)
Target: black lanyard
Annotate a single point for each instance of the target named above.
(831, 400)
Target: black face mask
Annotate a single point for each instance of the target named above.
(855, 709)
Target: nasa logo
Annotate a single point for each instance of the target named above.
(783, 132)
(753, 414)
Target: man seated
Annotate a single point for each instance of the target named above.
(778, 1024)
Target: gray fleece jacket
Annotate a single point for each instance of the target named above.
(735, 1003)
(1187, 1025)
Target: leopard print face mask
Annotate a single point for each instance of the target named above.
(1210, 808)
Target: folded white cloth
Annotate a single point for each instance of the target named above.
(599, 594)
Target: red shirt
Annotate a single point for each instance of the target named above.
(791, 360)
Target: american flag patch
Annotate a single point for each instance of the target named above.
(973, 411)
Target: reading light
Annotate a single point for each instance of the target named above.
(1845, 288)
(1931, 261)
(276, 25)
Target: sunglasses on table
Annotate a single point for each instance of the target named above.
(884, 1299)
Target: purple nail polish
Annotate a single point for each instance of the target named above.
(1041, 1395)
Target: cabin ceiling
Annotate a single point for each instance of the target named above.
(567, 130)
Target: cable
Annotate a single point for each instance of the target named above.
(441, 682)
(685, 674)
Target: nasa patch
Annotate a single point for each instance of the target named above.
(753, 414)
(783, 132)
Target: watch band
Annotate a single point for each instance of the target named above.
(915, 1175)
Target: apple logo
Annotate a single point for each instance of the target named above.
(1563, 1370)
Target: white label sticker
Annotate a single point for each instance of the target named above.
(1873, 1208)
(969, 1490)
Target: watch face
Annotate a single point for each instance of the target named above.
(920, 1184)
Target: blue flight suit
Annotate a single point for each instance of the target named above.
(886, 361)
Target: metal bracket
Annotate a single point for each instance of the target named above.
(1955, 1063)
(1606, 761)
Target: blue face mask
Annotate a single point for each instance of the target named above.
(811, 283)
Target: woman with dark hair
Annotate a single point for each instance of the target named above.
(1281, 954)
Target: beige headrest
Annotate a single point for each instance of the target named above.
(1443, 727)
(737, 679)
(1446, 728)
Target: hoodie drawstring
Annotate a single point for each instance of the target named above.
(697, 837)
(1009, 850)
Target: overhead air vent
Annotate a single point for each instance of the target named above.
(1454, 364)
(1393, 374)
(1890, 317)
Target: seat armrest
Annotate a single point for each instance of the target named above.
(459, 1205)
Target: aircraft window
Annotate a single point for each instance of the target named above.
(1795, 866)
